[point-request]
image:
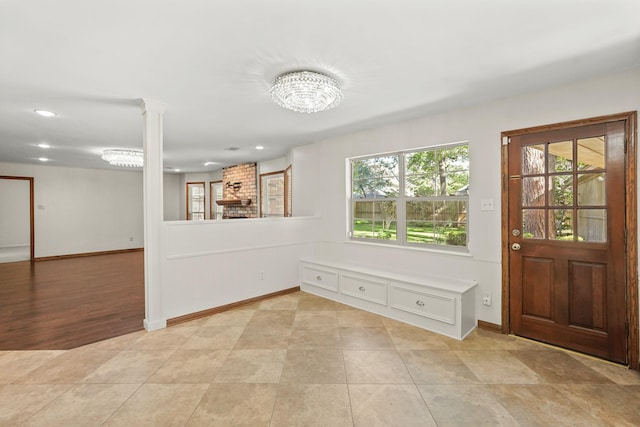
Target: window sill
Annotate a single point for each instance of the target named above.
(461, 253)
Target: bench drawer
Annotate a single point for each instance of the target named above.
(423, 303)
(320, 277)
(363, 287)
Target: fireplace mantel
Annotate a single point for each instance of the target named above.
(234, 202)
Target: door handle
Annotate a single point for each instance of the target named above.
(515, 246)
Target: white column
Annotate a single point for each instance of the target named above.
(152, 112)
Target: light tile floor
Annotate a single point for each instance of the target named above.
(300, 360)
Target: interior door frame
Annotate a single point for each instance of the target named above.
(31, 213)
(631, 222)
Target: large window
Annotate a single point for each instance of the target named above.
(415, 197)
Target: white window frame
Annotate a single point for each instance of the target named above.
(401, 202)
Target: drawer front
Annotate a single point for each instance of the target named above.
(320, 277)
(365, 288)
(433, 306)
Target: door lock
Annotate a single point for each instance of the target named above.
(515, 246)
(515, 232)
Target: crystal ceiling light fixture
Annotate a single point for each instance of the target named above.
(306, 91)
(123, 157)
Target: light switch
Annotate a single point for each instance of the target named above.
(486, 204)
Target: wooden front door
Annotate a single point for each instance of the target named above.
(566, 226)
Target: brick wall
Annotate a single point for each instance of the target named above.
(244, 174)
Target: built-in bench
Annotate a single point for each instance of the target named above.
(443, 305)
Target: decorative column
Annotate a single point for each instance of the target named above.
(152, 112)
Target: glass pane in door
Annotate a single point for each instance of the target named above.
(533, 223)
(592, 225)
(591, 189)
(533, 162)
(561, 190)
(561, 156)
(561, 224)
(533, 191)
(591, 153)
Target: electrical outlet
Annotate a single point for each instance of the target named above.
(486, 299)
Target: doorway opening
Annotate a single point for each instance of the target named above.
(16, 219)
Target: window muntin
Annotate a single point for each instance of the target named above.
(563, 187)
(415, 198)
(276, 193)
(272, 194)
(216, 191)
(195, 201)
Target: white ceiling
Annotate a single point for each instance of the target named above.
(211, 62)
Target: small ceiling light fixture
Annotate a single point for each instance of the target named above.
(306, 91)
(124, 157)
(259, 147)
(210, 163)
(43, 159)
(44, 145)
(45, 113)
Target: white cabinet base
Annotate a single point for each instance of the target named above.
(443, 305)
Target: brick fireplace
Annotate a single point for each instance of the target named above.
(239, 191)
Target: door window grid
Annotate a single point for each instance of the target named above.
(563, 199)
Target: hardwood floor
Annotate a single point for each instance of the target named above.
(66, 303)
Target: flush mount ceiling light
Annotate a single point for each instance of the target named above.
(124, 157)
(306, 91)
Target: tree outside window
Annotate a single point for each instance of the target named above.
(431, 186)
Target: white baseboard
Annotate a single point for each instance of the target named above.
(154, 325)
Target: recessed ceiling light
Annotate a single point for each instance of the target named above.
(43, 145)
(210, 163)
(176, 170)
(43, 159)
(259, 147)
(44, 113)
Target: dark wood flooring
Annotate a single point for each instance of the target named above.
(66, 303)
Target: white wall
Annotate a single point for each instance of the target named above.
(14, 213)
(172, 185)
(83, 210)
(273, 165)
(212, 263)
(322, 188)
